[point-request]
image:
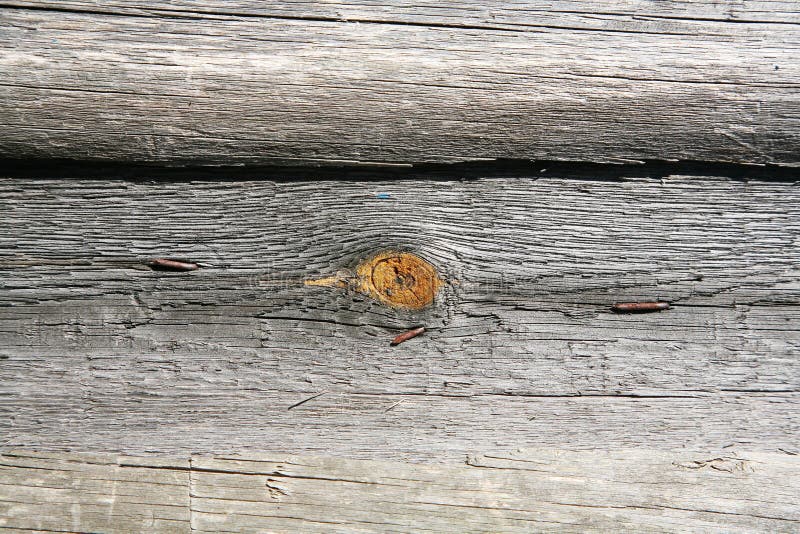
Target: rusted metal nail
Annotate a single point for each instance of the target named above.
(639, 307)
(165, 264)
(405, 336)
(296, 404)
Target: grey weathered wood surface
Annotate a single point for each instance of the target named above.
(539, 490)
(84, 493)
(99, 353)
(393, 83)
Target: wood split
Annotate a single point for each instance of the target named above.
(296, 404)
(393, 406)
(639, 307)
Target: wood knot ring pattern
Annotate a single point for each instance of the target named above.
(399, 279)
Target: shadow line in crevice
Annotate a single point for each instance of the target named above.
(534, 169)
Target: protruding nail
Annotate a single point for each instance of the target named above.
(165, 264)
(639, 307)
(405, 336)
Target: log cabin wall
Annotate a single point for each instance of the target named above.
(529, 165)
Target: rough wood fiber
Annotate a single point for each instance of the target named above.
(393, 83)
(93, 493)
(101, 353)
(524, 491)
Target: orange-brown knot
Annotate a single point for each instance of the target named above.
(397, 279)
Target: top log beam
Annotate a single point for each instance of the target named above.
(310, 83)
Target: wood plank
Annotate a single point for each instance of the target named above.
(544, 490)
(321, 82)
(522, 347)
(93, 493)
(505, 14)
(520, 492)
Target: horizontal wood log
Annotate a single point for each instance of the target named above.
(323, 82)
(100, 352)
(534, 490)
(84, 493)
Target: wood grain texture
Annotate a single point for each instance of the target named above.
(534, 490)
(93, 493)
(391, 83)
(522, 350)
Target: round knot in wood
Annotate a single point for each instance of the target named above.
(399, 279)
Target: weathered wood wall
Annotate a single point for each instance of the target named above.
(524, 491)
(391, 83)
(696, 105)
(101, 353)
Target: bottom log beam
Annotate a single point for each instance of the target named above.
(633, 490)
